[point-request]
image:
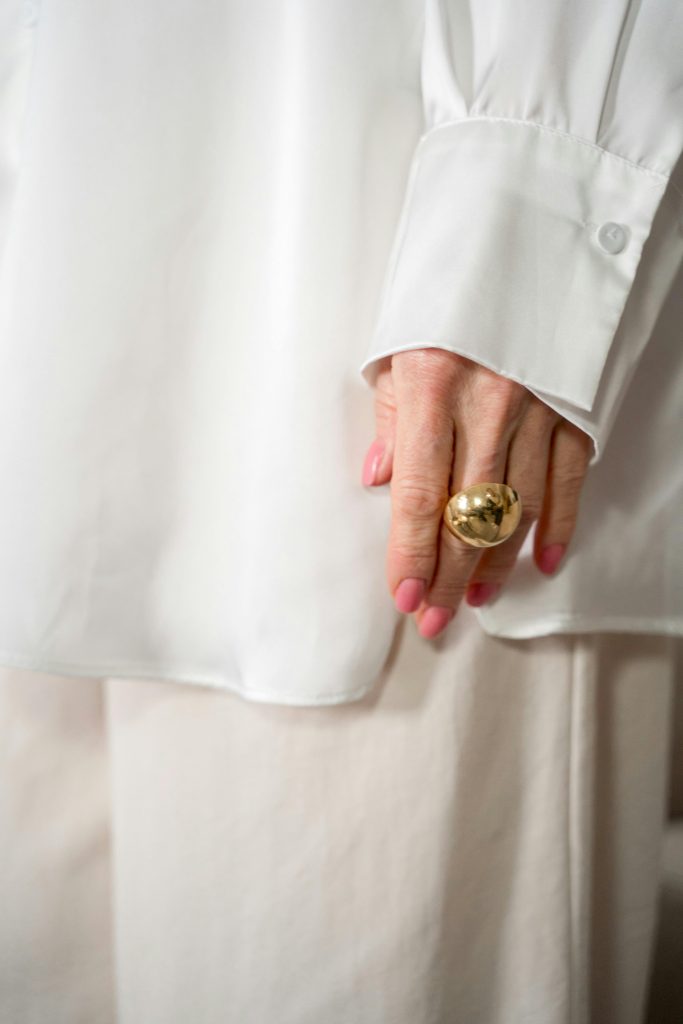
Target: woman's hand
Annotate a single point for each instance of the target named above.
(443, 423)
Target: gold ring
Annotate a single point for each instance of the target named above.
(483, 515)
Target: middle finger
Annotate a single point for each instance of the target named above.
(477, 459)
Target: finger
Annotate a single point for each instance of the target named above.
(377, 466)
(422, 458)
(570, 454)
(479, 456)
(526, 471)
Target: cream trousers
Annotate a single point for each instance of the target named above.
(478, 841)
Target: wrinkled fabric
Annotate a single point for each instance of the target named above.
(198, 211)
(478, 840)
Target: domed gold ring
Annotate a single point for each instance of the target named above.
(483, 515)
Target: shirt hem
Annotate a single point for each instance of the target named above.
(560, 623)
(571, 622)
(104, 670)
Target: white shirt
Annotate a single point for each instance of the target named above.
(214, 219)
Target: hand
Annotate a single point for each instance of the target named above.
(445, 422)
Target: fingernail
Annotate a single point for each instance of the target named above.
(372, 461)
(434, 620)
(480, 593)
(551, 557)
(408, 594)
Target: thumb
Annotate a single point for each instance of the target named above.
(378, 464)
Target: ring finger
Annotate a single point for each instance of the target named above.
(473, 462)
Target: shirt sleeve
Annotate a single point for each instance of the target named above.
(551, 133)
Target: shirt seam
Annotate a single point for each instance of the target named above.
(570, 844)
(578, 139)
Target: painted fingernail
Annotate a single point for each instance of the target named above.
(434, 620)
(372, 462)
(551, 558)
(409, 593)
(480, 593)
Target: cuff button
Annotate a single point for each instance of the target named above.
(612, 237)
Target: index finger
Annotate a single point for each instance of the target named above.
(423, 457)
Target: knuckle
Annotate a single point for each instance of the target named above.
(492, 428)
(426, 441)
(510, 399)
(568, 479)
(405, 553)
(492, 431)
(546, 415)
(427, 371)
(562, 522)
(489, 458)
(438, 371)
(504, 399)
(418, 501)
(446, 594)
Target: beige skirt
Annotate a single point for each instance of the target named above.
(477, 841)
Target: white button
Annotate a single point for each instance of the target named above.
(612, 237)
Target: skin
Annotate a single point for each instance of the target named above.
(444, 422)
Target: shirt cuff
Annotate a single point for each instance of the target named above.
(517, 247)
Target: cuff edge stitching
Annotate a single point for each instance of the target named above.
(658, 175)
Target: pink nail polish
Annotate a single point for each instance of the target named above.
(434, 620)
(480, 593)
(551, 557)
(372, 462)
(408, 594)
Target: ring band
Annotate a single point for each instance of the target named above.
(483, 515)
